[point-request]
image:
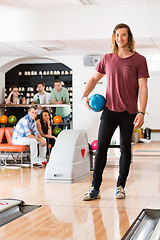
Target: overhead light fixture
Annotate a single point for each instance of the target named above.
(88, 2)
(52, 49)
(31, 4)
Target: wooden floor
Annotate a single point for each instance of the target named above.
(64, 215)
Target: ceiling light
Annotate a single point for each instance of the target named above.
(88, 2)
(52, 49)
(31, 4)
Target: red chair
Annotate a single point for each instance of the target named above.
(9, 149)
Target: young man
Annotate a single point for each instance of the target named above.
(127, 74)
(60, 95)
(43, 96)
(26, 133)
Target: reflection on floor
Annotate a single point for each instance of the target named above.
(65, 216)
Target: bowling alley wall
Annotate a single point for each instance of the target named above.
(89, 23)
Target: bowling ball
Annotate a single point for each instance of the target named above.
(97, 102)
(3, 119)
(94, 145)
(57, 119)
(12, 119)
(56, 131)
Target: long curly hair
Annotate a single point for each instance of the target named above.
(131, 42)
(43, 126)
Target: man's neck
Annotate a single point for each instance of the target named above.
(58, 91)
(124, 52)
(41, 93)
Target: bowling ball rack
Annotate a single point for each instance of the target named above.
(66, 124)
(93, 153)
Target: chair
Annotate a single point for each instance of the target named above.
(9, 149)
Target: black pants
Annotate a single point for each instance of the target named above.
(49, 141)
(109, 122)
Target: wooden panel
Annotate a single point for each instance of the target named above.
(155, 130)
(65, 216)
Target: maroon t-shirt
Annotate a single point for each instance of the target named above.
(122, 80)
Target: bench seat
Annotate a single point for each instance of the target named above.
(7, 148)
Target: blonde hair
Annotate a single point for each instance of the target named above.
(131, 42)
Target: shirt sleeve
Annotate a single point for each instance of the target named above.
(66, 96)
(34, 129)
(52, 95)
(34, 98)
(48, 95)
(26, 128)
(143, 69)
(101, 67)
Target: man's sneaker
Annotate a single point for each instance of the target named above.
(91, 194)
(120, 193)
(42, 160)
(37, 165)
(44, 163)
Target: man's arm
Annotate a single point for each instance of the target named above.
(143, 98)
(35, 134)
(54, 101)
(52, 97)
(90, 86)
(38, 137)
(34, 99)
(65, 96)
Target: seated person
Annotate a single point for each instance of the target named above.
(44, 128)
(15, 98)
(42, 96)
(60, 95)
(26, 133)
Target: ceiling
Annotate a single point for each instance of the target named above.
(55, 47)
(58, 4)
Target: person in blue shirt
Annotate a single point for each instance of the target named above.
(26, 133)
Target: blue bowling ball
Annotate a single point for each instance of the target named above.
(97, 102)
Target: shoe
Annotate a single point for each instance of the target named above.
(44, 163)
(120, 192)
(41, 160)
(37, 165)
(91, 194)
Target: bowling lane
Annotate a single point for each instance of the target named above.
(61, 222)
(65, 216)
